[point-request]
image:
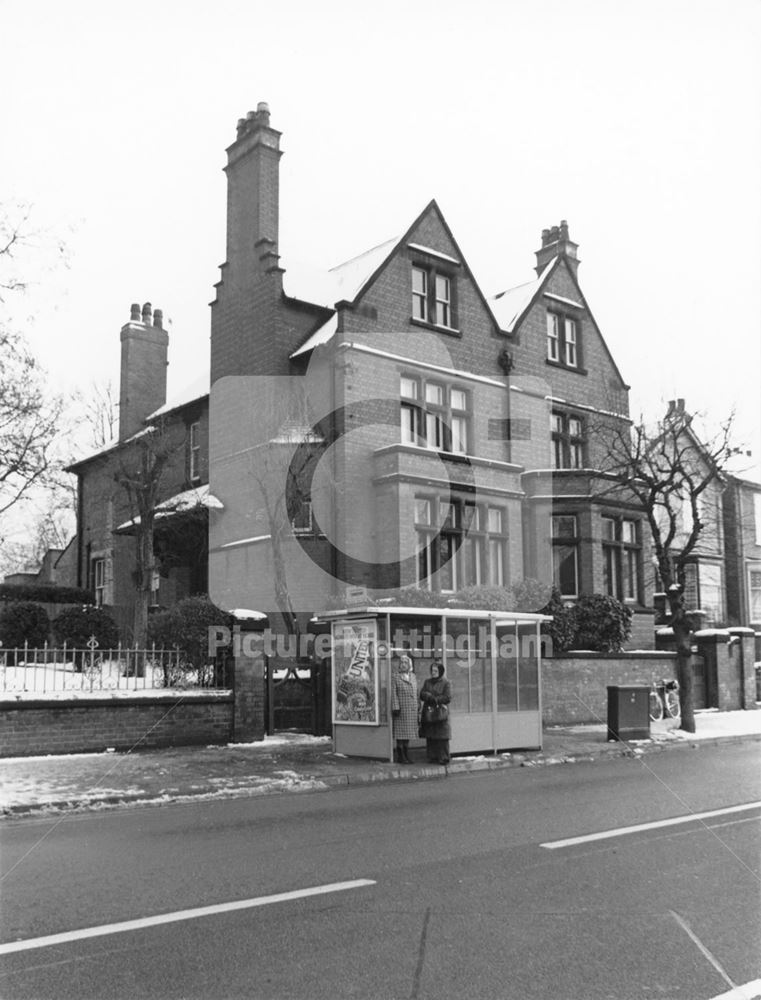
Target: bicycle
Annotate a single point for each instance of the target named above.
(664, 697)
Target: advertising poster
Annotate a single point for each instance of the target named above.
(355, 673)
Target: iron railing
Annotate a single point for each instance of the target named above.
(49, 669)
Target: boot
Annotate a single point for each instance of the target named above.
(398, 758)
(405, 754)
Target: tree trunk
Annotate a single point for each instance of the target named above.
(683, 638)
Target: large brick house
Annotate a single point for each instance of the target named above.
(463, 428)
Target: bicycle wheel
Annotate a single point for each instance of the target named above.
(672, 704)
(656, 707)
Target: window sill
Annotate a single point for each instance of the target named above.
(449, 330)
(565, 367)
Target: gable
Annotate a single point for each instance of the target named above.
(593, 379)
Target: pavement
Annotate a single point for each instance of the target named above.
(295, 762)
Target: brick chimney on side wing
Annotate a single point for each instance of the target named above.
(142, 383)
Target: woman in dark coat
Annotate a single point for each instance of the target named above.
(436, 691)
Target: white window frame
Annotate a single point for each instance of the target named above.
(757, 516)
(553, 337)
(195, 451)
(99, 580)
(571, 355)
(754, 605)
(420, 296)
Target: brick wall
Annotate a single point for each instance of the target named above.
(55, 727)
(575, 686)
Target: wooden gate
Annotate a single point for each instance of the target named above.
(298, 696)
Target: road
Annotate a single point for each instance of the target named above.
(442, 889)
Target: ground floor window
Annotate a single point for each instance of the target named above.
(460, 542)
(754, 594)
(565, 554)
(711, 586)
(99, 581)
(621, 558)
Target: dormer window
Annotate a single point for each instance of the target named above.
(433, 297)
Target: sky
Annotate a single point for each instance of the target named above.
(638, 122)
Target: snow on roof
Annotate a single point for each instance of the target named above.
(199, 496)
(345, 281)
(320, 336)
(509, 305)
(196, 389)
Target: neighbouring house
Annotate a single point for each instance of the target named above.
(108, 507)
(57, 567)
(742, 540)
(462, 428)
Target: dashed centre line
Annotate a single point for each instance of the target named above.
(169, 918)
(552, 845)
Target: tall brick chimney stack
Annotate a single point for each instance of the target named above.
(253, 168)
(557, 243)
(142, 386)
(244, 316)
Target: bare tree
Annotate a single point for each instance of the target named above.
(29, 421)
(99, 406)
(668, 470)
(142, 465)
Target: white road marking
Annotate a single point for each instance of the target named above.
(552, 845)
(702, 948)
(169, 918)
(748, 991)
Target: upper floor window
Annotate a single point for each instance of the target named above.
(562, 340)
(621, 558)
(434, 415)
(432, 297)
(194, 451)
(567, 441)
(757, 516)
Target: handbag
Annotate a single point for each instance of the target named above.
(436, 713)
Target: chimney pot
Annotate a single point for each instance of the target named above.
(158, 318)
(250, 115)
(555, 234)
(263, 107)
(134, 312)
(545, 237)
(147, 311)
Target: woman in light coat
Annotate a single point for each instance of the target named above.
(404, 706)
(436, 691)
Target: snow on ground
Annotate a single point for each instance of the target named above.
(709, 724)
(105, 679)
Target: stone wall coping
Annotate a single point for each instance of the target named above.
(717, 634)
(628, 654)
(9, 705)
(741, 630)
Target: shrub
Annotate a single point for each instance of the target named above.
(75, 626)
(602, 623)
(482, 598)
(23, 622)
(186, 626)
(47, 593)
(531, 595)
(562, 628)
(410, 597)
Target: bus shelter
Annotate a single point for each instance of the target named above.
(492, 661)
